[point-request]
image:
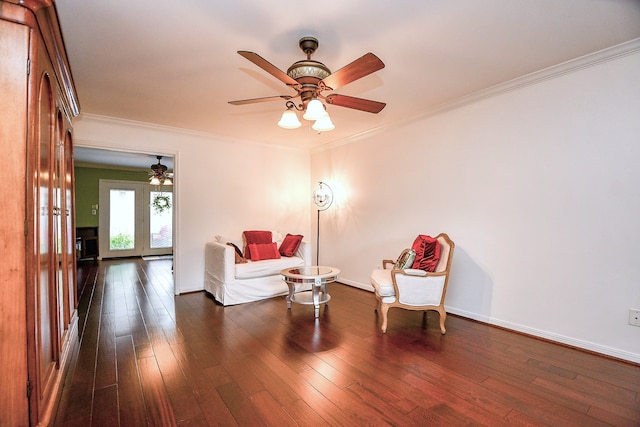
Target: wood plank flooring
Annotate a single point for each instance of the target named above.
(149, 358)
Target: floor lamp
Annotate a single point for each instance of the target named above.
(323, 198)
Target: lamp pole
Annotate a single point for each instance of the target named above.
(318, 241)
(323, 198)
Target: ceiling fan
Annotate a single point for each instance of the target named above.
(310, 78)
(158, 174)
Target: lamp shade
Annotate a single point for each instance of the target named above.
(154, 181)
(323, 124)
(315, 110)
(289, 120)
(323, 196)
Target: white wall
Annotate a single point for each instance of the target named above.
(220, 187)
(539, 187)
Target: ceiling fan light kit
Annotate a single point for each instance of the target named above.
(310, 78)
(315, 110)
(159, 175)
(323, 124)
(289, 120)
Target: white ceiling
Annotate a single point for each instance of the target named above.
(175, 64)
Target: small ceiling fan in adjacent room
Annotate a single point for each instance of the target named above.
(158, 174)
(310, 79)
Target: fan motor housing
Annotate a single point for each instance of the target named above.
(308, 71)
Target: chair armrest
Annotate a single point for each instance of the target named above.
(385, 262)
(415, 272)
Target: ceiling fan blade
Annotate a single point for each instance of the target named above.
(359, 68)
(355, 103)
(268, 67)
(256, 100)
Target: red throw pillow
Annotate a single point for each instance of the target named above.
(260, 251)
(257, 237)
(290, 244)
(427, 253)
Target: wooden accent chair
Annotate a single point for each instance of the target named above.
(414, 289)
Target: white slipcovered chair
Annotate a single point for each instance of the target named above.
(414, 289)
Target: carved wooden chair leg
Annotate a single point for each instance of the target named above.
(384, 309)
(443, 316)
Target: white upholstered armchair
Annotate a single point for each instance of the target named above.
(414, 289)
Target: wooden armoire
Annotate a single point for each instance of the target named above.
(38, 300)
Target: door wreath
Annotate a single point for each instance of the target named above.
(161, 203)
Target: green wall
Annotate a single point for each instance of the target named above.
(87, 190)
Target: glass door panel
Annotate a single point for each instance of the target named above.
(135, 219)
(122, 219)
(121, 216)
(160, 219)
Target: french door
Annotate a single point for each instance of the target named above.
(135, 219)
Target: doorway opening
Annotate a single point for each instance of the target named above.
(136, 219)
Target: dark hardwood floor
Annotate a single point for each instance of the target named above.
(149, 358)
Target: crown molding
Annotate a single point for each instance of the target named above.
(152, 127)
(630, 47)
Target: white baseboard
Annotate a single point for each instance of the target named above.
(574, 342)
(356, 284)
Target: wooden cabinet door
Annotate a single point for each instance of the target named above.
(68, 221)
(63, 229)
(47, 347)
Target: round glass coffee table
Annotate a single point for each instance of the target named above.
(318, 277)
